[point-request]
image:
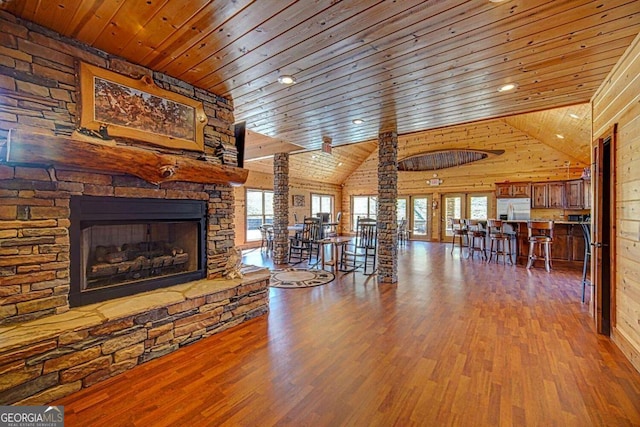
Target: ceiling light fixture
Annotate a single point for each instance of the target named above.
(574, 116)
(358, 121)
(559, 136)
(286, 80)
(507, 87)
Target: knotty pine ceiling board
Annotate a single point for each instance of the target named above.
(546, 125)
(418, 65)
(332, 168)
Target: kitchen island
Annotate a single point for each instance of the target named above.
(567, 249)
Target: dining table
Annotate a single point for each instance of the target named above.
(336, 243)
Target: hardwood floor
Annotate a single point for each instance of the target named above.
(456, 342)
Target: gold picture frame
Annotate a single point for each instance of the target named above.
(140, 110)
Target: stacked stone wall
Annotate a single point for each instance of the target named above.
(39, 86)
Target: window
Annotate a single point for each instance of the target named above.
(321, 203)
(401, 209)
(259, 211)
(364, 206)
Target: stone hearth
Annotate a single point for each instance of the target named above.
(46, 359)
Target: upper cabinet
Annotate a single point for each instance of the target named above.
(547, 195)
(556, 195)
(513, 189)
(575, 194)
(540, 195)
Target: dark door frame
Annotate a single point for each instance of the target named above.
(604, 231)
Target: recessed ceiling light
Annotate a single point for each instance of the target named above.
(286, 80)
(340, 164)
(574, 116)
(358, 121)
(507, 87)
(559, 136)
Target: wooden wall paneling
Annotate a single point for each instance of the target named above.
(619, 91)
(617, 101)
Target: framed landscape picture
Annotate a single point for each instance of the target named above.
(140, 110)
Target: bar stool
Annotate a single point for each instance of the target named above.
(586, 232)
(501, 240)
(459, 231)
(476, 236)
(540, 235)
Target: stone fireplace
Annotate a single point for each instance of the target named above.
(122, 246)
(111, 253)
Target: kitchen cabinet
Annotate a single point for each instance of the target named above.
(547, 195)
(513, 189)
(539, 195)
(556, 195)
(574, 194)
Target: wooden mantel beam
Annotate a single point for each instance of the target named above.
(48, 150)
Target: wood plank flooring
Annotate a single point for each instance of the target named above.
(456, 342)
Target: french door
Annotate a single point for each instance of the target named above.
(420, 218)
(453, 206)
(463, 206)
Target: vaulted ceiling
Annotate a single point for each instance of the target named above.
(412, 65)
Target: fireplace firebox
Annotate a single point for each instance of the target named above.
(123, 246)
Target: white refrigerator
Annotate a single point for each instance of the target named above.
(519, 208)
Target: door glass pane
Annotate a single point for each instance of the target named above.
(401, 209)
(478, 207)
(452, 209)
(420, 212)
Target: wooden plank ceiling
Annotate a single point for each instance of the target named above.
(412, 64)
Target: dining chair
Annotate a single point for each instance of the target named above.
(362, 252)
(266, 233)
(303, 243)
(403, 232)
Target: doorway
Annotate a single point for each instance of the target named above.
(463, 206)
(420, 219)
(603, 234)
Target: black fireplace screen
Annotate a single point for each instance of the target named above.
(118, 254)
(122, 246)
